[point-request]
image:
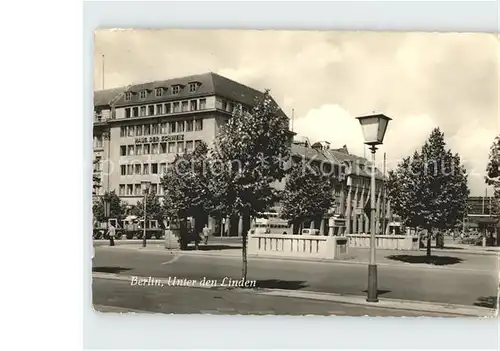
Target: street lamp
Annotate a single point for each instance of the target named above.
(374, 128)
(145, 189)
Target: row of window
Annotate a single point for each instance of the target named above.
(165, 109)
(135, 189)
(160, 91)
(162, 128)
(143, 169)
(159, 148)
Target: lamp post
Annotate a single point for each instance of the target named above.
(145, 188)
(374, 128)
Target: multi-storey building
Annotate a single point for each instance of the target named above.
(139, 129)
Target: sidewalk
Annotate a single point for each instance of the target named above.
(116, 290)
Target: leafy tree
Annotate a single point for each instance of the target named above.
(249, 155)
(429, 189)
(308, 193)
(493, 174)
(154, 209)
(186, 185)
(115, 211)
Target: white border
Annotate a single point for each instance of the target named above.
(43, 230)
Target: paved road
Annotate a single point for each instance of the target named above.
(434, 284)
(120, 296)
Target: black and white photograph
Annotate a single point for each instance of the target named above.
(294, 173)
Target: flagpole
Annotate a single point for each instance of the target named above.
(102, 72)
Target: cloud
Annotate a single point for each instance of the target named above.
(421, 80)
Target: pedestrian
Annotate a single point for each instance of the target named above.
(111, 233)
(206, 231)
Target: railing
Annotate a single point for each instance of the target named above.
(313, 246)
(385, 242)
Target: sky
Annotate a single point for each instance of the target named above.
(420, 80)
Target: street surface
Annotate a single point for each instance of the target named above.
(120, 296)
(465, 283)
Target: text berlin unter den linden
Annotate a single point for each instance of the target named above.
(184, 282)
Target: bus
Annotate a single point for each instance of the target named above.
(270, 223)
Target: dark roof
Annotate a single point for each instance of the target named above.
(358, 165)
(104, 97)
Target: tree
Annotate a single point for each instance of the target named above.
(154, 209)
(493, 174)
(186, 185)
(249, 155)
(429, 189)
(115, 208)
(308, 193)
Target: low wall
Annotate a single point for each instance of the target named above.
(313, 246)
(385, 242)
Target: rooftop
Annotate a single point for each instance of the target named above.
(206, 84)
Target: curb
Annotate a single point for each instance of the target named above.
(394, 304)
(203, 253)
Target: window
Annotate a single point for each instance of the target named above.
(230, 107)
(196, 143)
(130, 170)
(130, 131)
(199, 124)
(129, 189)
(154, 188)
(130, 150)
(159, 109)
(135, 111)
(123, 170)
(167, 108)
(142, 111)
(154, 129)
(180, 147)
(192, 87)
(189, 126)
(176, 89)
(123, 150)
(171, 148)
(163, 128)
(224, 105)
(189, 146)
(163, 168)
(137, 189)
(138, 130)
(159, 92)
(144, 94)
(171, 127)
(203, 104)
(147, 129)
(145, 149)
(163, 148)
(98, 141)
(123, 131)
(128, 112)
(128, 96)
(180, 126)
(194, 105)
(151, 110)
(137, 169)
(138, 149)
(176, 106)
(154, 149)
(154, 168)
(184, 106)
(121, 190)
(145, 168)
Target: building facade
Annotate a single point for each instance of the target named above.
(139, 129)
